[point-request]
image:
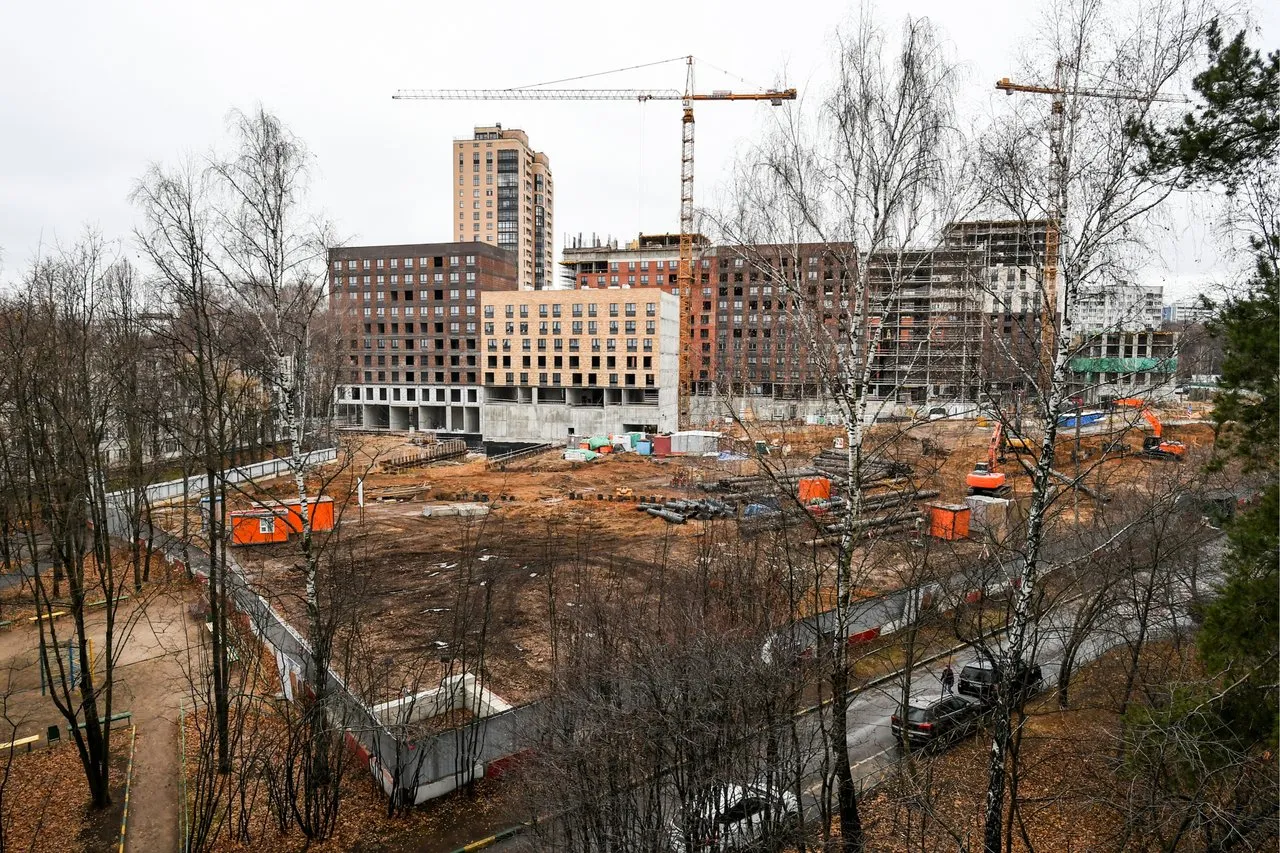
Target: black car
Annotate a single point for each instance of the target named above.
(980, 677)
(938, 720)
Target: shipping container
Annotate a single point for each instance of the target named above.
(662, 445)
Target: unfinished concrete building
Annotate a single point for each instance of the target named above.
(1012, 298)
(1124, 364)
(561, 364)
(766, 316)
(926, 323)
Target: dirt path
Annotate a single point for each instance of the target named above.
(149, 684)
(152, 686)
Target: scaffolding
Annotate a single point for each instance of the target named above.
(926, 323)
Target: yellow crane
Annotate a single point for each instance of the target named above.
(684, 270)
(1057, 183)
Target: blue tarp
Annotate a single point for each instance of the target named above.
(1085, 419)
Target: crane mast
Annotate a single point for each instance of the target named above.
(684, 270)
(1057, 202)
(684, 267)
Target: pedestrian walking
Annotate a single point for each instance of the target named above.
(948, 679)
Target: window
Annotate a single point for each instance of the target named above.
(267, 526)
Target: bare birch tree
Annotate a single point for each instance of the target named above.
(271, 257)
(1087, 183)
(865, 184)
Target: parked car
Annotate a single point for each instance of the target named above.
(979, 678)
(937, 721)
(740, 817)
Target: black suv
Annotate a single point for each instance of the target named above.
(938, 720)
(979, 678)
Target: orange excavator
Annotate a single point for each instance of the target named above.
(987, 479)
(1155, 446)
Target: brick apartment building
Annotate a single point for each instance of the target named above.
(503, 196)
(750, 347)
(410, 320)
(561, 363)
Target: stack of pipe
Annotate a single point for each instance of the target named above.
(678, 512)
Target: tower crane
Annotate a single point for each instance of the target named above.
(1057, 207)
(684, 270)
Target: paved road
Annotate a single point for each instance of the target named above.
(872, 746)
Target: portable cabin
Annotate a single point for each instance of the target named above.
(319, 509)
(257, 527)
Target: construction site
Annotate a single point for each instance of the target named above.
(463, 565)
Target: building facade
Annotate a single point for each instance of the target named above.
(565, 363)
(1119, 306)
(503, 196)
(409, 317)
(766, 320)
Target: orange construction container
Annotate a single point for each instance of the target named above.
(948, 521)
(812, 489)
(320, 509)
(257, 527)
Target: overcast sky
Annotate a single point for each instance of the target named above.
(91, 92)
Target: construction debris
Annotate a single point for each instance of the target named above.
(465, 510)
(448, 449)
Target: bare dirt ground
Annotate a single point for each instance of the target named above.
(436, 596)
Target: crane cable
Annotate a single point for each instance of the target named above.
(601, 73)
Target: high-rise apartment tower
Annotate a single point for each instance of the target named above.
(503, 197)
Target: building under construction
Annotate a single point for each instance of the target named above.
(769, 321)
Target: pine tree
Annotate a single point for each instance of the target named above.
(1230, 142)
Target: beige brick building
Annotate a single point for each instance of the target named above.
(503, 196)
(579, 362)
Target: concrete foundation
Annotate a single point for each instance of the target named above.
(554, 421)
(456, 692)
(706, 410)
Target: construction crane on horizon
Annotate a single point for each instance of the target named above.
(684, 270)
(1058, 183)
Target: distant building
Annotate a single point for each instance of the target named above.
(1190, 309)
(1118, 306)
(566, 363)
(503, 196)
(410, 321)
